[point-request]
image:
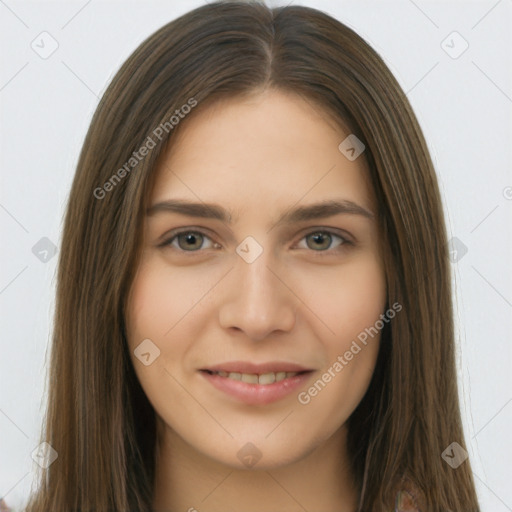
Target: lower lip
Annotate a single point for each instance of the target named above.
(257, 394)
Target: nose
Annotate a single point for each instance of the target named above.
(258, 300)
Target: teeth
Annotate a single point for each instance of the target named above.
(252, 378)
(267, 378)
(249, 378)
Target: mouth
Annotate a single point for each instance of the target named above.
(263, 379)
(256, 386)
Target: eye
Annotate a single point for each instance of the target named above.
(323, 241)
(189, 241)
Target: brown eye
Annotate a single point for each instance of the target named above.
(319, 240)
(188, 241)
(322, 241)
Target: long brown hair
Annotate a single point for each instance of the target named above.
(98, 419)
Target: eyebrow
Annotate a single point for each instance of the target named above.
(323, 209)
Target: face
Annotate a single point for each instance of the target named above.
(242, 317)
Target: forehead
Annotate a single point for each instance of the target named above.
(256, 152)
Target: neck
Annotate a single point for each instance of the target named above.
(189, 481)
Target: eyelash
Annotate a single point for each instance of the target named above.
(341, 247)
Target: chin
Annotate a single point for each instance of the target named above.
(262, 454)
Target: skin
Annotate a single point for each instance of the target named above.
(301, 301)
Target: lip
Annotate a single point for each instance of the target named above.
(257, 394)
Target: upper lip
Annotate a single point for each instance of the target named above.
(252, 368)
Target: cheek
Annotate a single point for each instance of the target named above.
(348, 302)
(351, 309)
(147, 301)
(156, 310)
(150, 313)
(159, 302)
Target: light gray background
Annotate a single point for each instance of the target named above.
(464, 105)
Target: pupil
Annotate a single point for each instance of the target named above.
(190, 238)
(318, 238)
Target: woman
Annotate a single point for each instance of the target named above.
(206, 355)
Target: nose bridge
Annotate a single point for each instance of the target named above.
(259, 302)
(257, 281)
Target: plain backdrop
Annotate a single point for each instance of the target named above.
(463, 100)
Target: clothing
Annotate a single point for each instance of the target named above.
(405, 502)
(3, 506)
(409, 498)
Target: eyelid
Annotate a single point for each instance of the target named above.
(341, 233)
(170, 236)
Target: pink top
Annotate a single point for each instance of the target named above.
(409, 499)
